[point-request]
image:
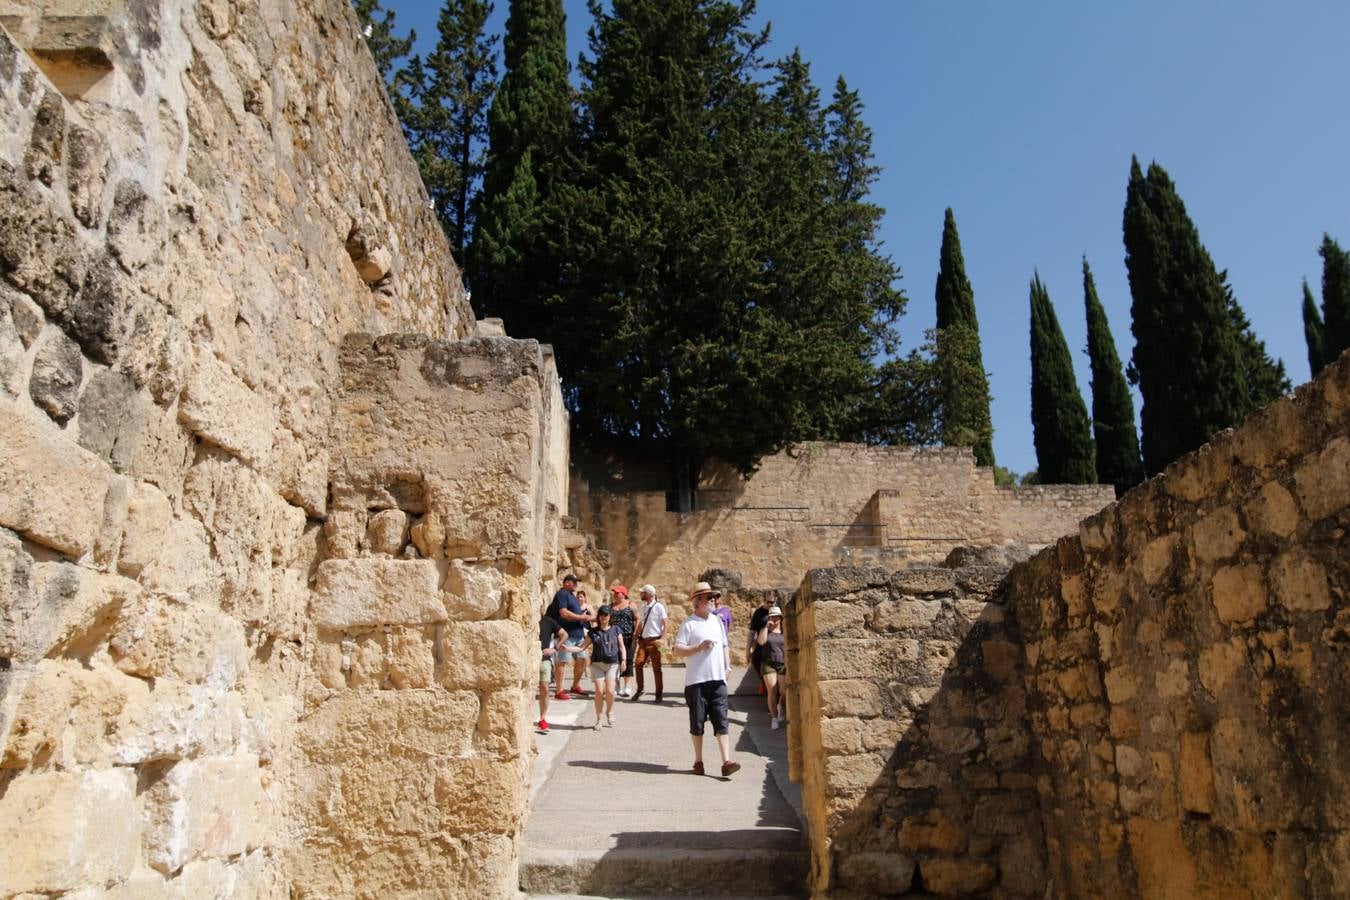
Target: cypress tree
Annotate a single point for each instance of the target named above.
(377, 24)
(442, 103)
(1264, 378)
(1063, 437)
(1190, 360)
(1313, 332)
(965, 384)
(513, 263)
(1335, 299)
(1118, 461)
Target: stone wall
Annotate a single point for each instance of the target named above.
(1170, 680)
(416, 735)
(210, 670)
(1189, 663)
(909, 735)
(819, 505)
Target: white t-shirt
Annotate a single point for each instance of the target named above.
(707, 665)
(654, 621)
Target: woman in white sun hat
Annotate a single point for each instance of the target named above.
(773, 666)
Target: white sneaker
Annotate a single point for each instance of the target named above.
(596, 726)
(609, 721)
(773, 723)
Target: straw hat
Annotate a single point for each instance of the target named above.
(775, 611)
(703, 588)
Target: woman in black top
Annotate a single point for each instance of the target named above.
(608, 654)
(773, 666)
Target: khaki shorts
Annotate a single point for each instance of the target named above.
(546, 670)
(602, 671)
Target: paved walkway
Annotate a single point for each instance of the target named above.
(619, 812)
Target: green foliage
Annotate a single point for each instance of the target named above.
(442, 102)
(515, 259)
(1118, 460)
(1313, 332)
(377, 24)
(1005, 477)
(1062, 435)
(963, 392)
(1264, 378)
(1335, 300)
(724, 294)
(1198, 367)
(965, 387)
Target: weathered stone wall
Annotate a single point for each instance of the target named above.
(1171, 679)
(909, 735)
(823, 505)
(186, 235)
(1189, 663)
(416, 738)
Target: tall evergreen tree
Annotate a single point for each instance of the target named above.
(1118, 460)
(513, 263)
(377, 24)
(1335, 299)
(965, 384)
(722, 251)
(1313, 332)
(1264, 378)
(443, 103)
(1198, 371)
(1059, 420)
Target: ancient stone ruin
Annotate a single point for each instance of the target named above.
(277, 515)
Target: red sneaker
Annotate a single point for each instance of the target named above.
(562, 695)
(543, 726)
(579, 692)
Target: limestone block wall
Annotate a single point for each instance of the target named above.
(821, 504)
(909, 735)
(197, 201)
(1188, 666)
(416, 738)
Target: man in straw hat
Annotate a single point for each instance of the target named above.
(702, 643)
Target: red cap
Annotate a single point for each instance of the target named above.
(619, 590)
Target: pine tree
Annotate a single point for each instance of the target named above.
(1313, 332)
(377, 24)
(1191, 361)
(1118, 460)
(722, 252)
(1059, 420)
(965, 393)
(513, 263)
(1335, 299)
(442, 102)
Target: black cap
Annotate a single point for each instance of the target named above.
(603, 611)
(569, 577)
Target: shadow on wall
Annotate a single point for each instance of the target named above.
(911, 738)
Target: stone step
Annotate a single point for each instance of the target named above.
(653, 872)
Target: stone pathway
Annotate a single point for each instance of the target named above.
(618, 812)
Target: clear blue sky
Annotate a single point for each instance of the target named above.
(1022, 117)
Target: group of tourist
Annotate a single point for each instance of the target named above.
(620, 640)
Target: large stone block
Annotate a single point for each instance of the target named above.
(162, 636)
(209, 808)
(474, 591)
(51, 489)
(875, 874)
(850, 697)
(50, 605)
(171, 720)
(58, 369)
(362, 593)
(484, 656)
(221, 408)
(67, 830)
(66, 714)
(355, 724)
